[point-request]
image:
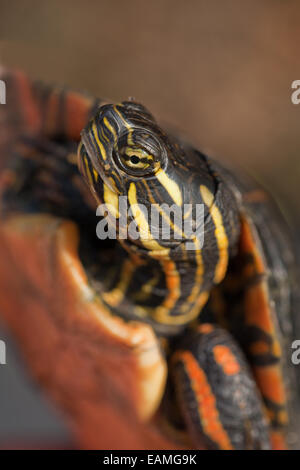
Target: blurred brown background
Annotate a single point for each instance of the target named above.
(220, 71)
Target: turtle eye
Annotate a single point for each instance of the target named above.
(136, 159)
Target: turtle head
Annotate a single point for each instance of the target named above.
(122, 143)
(124, 152)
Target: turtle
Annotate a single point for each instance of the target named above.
(189, 261)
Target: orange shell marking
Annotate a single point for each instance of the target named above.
(205, 328)
(258, 312)
(207, 409)
(226, 360)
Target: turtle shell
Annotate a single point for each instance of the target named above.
(257, 302)
(107, 374)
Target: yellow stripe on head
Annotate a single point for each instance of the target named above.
(110, 128)
(95, 174)
(220, 233)
(100, 145)
(128, 126)
(87, 171)
(170, 186)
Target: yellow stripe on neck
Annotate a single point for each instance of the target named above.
(220, 233)
(145, 234)
(111, 200)
(117, 294)
(197, 285)
(172, 276)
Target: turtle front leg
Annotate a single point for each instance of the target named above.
(217, 395)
